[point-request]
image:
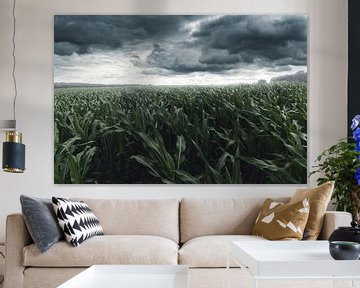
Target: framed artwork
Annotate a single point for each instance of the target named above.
(180, 99)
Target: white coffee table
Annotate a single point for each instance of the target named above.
(292, 260)
(131, 276)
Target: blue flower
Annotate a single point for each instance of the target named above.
(355, 122)
(355, 126)
(356, 134)
(357, 176)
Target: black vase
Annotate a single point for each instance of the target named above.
(351, 234)
(344, 250)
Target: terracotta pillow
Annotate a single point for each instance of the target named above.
(279, 221)
(319, 198)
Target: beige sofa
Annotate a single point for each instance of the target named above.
(194, 232)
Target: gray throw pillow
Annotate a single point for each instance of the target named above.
(41, 221)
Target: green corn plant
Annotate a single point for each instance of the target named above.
(193, 134)
(79, 165)
(160, 163)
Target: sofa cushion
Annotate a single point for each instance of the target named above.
(200, 217)
(319, 198)
(107, 249)
(211, 251)
(279, 221)
(158, 217)
(35, 277)
(41, 221)
(77, 220)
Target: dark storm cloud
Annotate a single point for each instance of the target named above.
(188, 59)
(300, 76)
(80, 33)
(235, 42)
(266, 40)
(214, 44)
(65, 48)
(218, 57)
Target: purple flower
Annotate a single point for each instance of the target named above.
(356, 134)
(355, 126)
(357, 176)
(355, 122)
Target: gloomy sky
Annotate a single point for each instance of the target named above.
(178, 50)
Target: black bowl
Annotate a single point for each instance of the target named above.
(344, 250)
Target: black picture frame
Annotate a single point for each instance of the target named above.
(353, 62)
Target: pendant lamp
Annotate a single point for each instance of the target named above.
(13, 149)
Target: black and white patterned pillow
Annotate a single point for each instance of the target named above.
(77, 220)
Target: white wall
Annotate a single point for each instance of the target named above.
(327, 96)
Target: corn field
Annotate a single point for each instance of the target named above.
(246, 134)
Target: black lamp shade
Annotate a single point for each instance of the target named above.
(13, 157)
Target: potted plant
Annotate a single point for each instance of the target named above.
(341, 163)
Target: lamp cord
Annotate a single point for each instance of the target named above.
(14, 59)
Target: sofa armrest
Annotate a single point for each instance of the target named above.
(333, 220)
(17, 237)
